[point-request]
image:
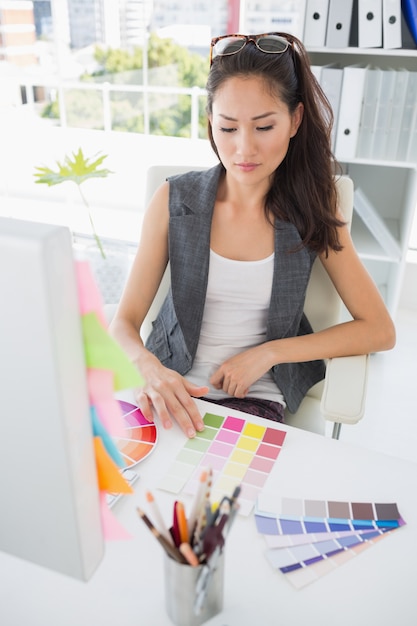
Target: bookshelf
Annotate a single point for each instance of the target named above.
(392, 189)
(390, 184)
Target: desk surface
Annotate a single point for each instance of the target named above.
(376, 587)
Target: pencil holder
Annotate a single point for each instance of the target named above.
(193, 595)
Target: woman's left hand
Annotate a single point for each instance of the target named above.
(237, 374)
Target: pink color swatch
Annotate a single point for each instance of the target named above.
(238, 451)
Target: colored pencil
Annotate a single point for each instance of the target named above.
(187, 551)
(181, 522)
(168, 547)
(160, 524)
(202, 519)
(195, 509)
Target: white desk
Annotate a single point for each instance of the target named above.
(378, 587)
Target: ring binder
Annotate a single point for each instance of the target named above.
(316, 23)
(370, 23)
(410, 14)
(391, 24)
(338, 23)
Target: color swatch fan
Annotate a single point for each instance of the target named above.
(309, 538)
(141, 435)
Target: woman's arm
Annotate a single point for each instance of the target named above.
(165, 391)
(145, 276)
(370, 330)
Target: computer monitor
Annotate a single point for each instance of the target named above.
(50, 511)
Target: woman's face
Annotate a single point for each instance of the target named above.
(251, 128)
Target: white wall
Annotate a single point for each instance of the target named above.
(408, 299)
(117, 202)
(25, 145)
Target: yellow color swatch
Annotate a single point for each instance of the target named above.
(254, 430)
(241, 456)
(245, 443)
(233, 469)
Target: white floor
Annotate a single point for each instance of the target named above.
(390, 421)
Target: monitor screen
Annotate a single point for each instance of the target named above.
(50, 511)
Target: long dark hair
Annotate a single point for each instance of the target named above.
(303, 190)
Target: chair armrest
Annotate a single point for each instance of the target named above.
(345, 388)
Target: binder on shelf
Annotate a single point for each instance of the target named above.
(397, 109)
(350, 111)
(382, 113)
(331, 82)
(338, 23)
(391, 24)
(370, 23)
(410, 13)
(369, 105)
(315, 25)
(375, 224)
(410, 105)
(316, 70)
(412, 144)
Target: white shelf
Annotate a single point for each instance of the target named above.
(366, 244)
(390, 185)
(380, 162)
(366, 52)
(380, 57)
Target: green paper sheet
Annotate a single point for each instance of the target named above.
(102, 352)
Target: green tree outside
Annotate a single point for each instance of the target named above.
(169, 64)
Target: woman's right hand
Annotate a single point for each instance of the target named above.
(165, 393)
(169, 395)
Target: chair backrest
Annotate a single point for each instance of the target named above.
(323, 304)
(157, 174)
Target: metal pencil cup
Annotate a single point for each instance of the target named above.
(188, 601)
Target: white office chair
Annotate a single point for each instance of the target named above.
(340, 398)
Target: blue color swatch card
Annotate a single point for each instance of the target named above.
(308, 538)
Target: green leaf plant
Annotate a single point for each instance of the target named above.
(77, 169)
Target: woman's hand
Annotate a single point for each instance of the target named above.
(170, 395)
(237, 374)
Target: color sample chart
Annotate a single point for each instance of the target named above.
(141, 435)
(237, 450)
(309, 538)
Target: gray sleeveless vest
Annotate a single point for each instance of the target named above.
(176, 330)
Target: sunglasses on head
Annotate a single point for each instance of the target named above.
(270, 43)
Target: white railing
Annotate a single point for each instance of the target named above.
(18, 168)
(106, 89)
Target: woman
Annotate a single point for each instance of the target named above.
(241, 239)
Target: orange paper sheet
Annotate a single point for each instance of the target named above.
(108, 474)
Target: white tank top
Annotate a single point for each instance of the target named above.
(234, 319)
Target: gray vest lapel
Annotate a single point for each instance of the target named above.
(291, 276)
(191, 208)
